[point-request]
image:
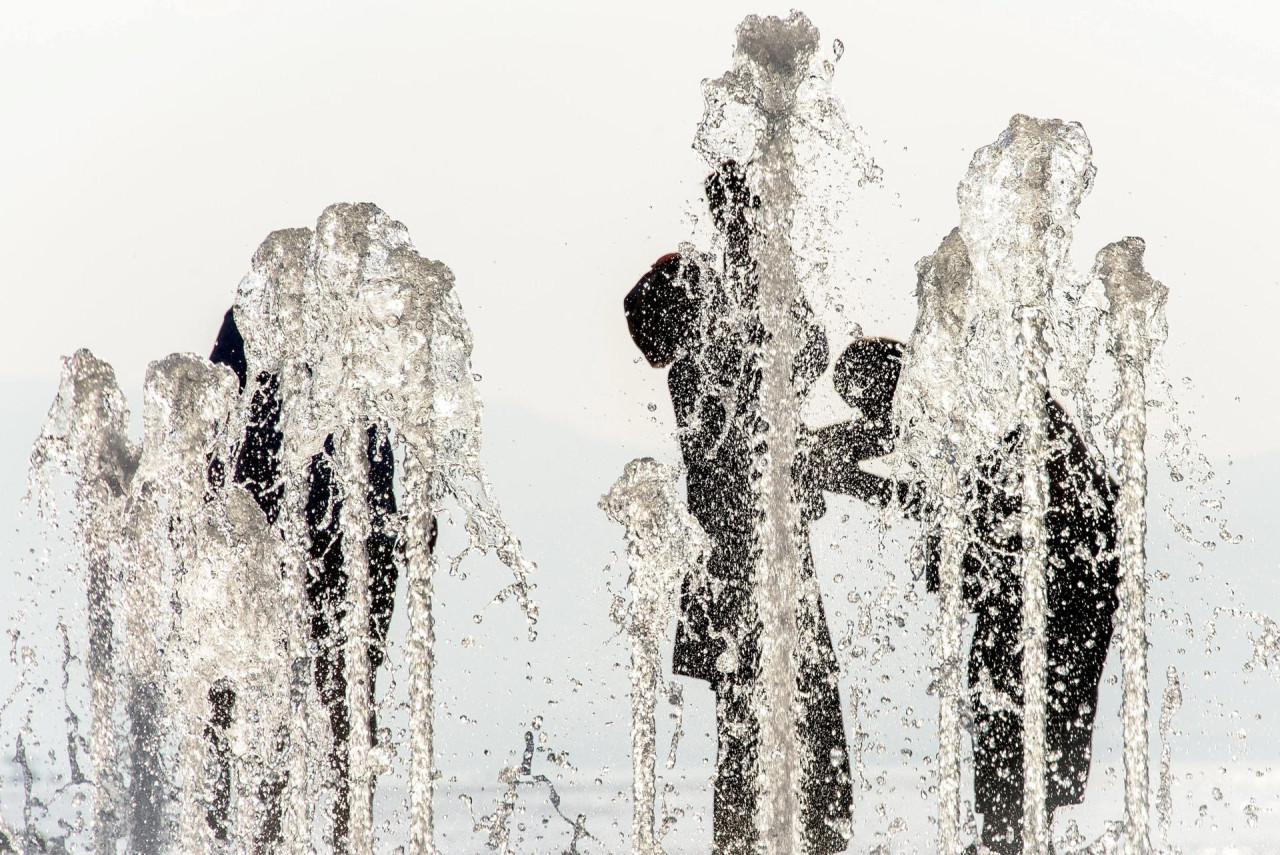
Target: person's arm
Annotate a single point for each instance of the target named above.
(836, 452)
(833, 465)
(256, 463)
(814, 356)
(228, 350)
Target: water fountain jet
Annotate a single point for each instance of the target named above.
(342, 326)
(665, 545)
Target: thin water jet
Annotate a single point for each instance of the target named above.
(1137, 327)
(86, 436)
(665, 545)
(777, 141)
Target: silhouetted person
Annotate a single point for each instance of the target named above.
(222, 699)
(705, 328)
(257, 467)
(1082, 576)
(865, 376)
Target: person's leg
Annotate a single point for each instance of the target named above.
(271, 796)
(995, 687)
(380, 548)
(734, 808)
(222, 700)
(326, 595)
(331, 685)
(828, 784)
(327, 591)
(1079, 632)
(733, 619)
(998, 779)
(828, 799)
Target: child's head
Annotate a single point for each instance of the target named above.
(662, 310)
(866, 375)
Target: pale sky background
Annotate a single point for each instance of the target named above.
(543, 152)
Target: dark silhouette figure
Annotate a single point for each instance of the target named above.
(222, 698)
(1082, 577)
(257, 467)
(705, 327)
(865, 376)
